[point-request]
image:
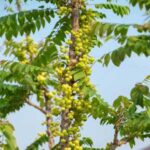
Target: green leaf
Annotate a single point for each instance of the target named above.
(101, 110)
(86, 141)
(117, 9)
(132, 143)
(115, 59)
(46, 56)
(121, 101)
(107, 59)
(137, 94)
(78, 75)
(37, 143)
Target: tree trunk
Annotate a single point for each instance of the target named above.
(65, 122)
(75, 26)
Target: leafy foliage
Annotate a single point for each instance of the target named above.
(138, 94)
(101, 109)
(24, 22)
(37, 143)
(58, 34)
(48, 54)
(12, 98)
(86, 141)
(128, 120)
(117, 9)
(109, 31)
(134, 44)
(6, 129)
(142, 4)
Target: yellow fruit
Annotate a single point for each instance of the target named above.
(66, 57)
(24, 61)
(48, 115)
(79, 107)
(83, 17)
(71, 144)
(41, 78)
(76, 142)
(67, 79)
(68, 101)
(59, 71)
(69, 42)
(67, 148)
(68, 106)
(79, 44)
(64, 132)
(63, 108)
(55, 111)
(70, 115)
(49, 94)
(75, 85)
(63, 140)
(73, 32)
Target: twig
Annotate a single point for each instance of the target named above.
(35, 106)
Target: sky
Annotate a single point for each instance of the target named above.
(110, 82)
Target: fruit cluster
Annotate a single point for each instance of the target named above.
(63, 11)
(24, 51)
(70, 97)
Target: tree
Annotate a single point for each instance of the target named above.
(57, 71)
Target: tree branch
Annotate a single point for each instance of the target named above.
(35, 106)
(114, 144)
(49, 120)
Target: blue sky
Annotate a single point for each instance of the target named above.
(110, 82)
